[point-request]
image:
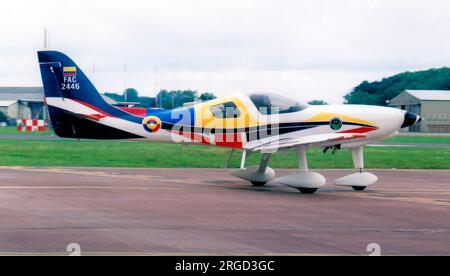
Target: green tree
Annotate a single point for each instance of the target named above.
(165, 99)
(131, 95)
(3, 117)
(207, 96)
(173, 99)
(379, 92)
(317, 102)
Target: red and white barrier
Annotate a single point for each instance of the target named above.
(26, 125)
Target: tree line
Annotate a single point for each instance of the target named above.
(165, 99)
(381, 92)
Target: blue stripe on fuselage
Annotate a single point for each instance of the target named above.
(180, 116)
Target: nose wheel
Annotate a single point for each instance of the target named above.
(308, 191)
(361, 180)
(258, 184)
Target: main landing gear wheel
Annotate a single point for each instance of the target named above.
(258, 184)
(308, 191)
(359, 188)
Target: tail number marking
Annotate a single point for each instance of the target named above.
(70, 83)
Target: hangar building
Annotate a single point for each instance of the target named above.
(432, 105)
(23, 102)
(27, 103)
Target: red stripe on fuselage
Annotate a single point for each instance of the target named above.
(93, 107)
(229, 140)
(360, 130)
(137, 111)
(96, 117)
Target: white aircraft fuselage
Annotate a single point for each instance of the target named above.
(259, 122)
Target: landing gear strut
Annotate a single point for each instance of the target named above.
(361, 180)
(257, 175)
(305, 181)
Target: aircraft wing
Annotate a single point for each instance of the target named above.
(316, 140)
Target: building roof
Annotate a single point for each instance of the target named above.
(430, 95)
(21, 93)
(7, 103)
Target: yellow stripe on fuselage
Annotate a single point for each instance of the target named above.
(324, 117)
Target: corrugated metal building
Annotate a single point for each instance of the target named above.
(27, 103)
(432, 105)
(23, 102)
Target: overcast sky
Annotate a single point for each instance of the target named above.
(308, 50)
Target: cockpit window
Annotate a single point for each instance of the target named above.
(269, 104)
(225, 111)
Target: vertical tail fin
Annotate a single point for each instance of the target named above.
(63, 78)
(74, 103)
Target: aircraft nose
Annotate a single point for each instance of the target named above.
(411, 119)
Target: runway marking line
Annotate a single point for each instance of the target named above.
(420, 200)
(102, 174)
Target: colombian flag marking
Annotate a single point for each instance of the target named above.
(70, 71)
(151, 124)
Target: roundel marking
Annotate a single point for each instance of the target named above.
(151, 124)
(336, 123)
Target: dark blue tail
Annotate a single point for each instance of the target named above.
(63, 79)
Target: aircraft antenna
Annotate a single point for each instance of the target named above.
(45, 36)
(125, 70)
(156, 86)
(93, 73)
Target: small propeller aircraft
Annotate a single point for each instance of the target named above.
(258, 122)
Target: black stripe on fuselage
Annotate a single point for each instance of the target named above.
(254, 133)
